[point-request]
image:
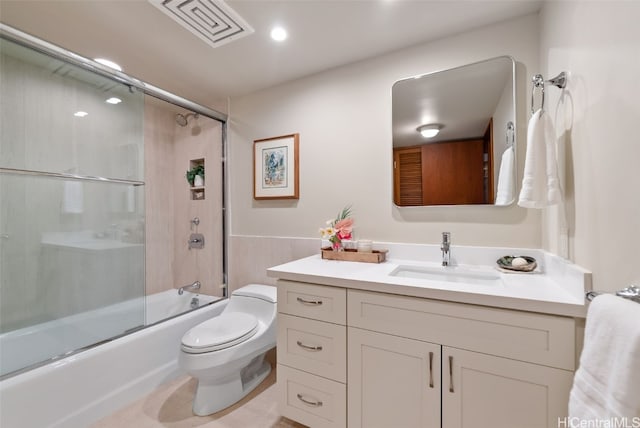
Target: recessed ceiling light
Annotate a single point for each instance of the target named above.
(114, 100)
(278, 34)
(80, 114)
(108, 63)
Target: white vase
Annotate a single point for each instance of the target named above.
(198, 181)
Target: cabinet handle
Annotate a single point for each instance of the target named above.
(309, 302)
(430, 369)
(309, 347)
(450, 373)
(310, 403)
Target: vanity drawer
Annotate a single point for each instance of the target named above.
(311, 400)
(317, 302)
(313, 346)
(526, 336)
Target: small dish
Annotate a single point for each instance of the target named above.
(505, 263)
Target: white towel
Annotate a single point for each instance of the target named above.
(505, 192)
(540, 184)
(72, 197)
(131, 199)
(607, 383)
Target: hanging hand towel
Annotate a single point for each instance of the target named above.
(607, 383)
(506, 189)
(540, 184)
(131, 199)
(72, 197)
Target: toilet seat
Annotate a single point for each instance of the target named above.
(219, 333)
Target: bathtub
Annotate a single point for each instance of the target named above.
(86, 386)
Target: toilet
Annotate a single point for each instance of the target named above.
(226, 353)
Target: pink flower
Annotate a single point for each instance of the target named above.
(344, 228)
(344, 236)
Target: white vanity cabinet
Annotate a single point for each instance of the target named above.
(417, 362)
(491, 367)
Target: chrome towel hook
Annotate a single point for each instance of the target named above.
(560, 81)
(510, 136)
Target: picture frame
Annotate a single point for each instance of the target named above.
(276, 168)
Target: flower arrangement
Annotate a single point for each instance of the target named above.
(339, 229)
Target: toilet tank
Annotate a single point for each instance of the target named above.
(258, 300)
(267, 293)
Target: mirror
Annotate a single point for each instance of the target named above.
(471, 158)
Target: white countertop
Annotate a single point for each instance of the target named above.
(559, 288)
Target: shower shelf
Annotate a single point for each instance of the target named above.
(197, 192)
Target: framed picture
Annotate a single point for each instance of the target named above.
(275, 168)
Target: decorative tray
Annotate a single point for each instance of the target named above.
(376, 256)
(506, 263)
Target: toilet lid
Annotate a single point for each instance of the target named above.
(220, 332)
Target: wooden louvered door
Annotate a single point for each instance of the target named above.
(407, 176)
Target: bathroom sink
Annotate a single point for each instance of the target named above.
(448, 273)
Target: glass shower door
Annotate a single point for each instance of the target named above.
(71, 208)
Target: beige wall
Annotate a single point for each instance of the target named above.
(597, 121)
(344, 120)
(251, 256)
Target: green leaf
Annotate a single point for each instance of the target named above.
(345, 213)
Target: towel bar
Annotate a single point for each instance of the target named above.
(631, 292)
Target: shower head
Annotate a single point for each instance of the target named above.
(183, 119)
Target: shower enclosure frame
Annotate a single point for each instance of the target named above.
(56, 52)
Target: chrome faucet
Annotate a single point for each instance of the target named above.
(446, 248)
(195, 286)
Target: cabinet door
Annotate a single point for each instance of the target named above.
(483, 391)
(393, 381)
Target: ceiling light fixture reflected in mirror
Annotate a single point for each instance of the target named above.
(113, 100)
(430, 130)
(80, 114)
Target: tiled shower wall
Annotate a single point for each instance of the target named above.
(169, 207)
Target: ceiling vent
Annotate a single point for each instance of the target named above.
(211, 20)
